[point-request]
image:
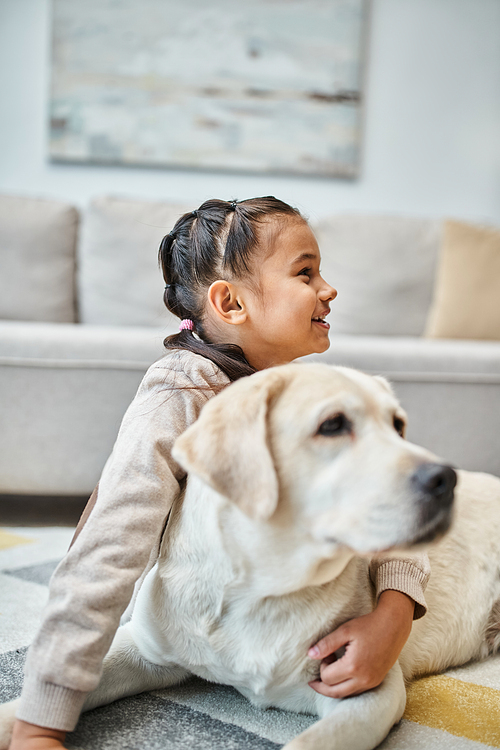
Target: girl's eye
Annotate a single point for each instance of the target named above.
(305, 272)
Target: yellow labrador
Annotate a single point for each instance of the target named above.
(297, 476)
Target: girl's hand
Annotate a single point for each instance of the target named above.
(372, 645)
(32, 737)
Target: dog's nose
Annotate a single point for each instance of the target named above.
(437, 480)
(434, 484)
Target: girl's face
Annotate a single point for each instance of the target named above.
(286, 313)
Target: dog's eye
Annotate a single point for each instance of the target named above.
(337, 425)
(399, 426)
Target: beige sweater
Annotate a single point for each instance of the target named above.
(94, 583)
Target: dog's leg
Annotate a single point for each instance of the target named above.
(126, 672)
(7, 719)
(357, 723)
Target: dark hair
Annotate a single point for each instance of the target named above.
(213, 242)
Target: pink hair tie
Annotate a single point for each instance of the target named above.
(186, 325)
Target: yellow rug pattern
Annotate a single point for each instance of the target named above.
(460, 708)
(7, 539)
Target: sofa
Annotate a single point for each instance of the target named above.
(82, 318)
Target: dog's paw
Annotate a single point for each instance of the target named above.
(7, 719)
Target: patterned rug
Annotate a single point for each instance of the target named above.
(459, 710)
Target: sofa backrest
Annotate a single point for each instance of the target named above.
(119, 282)
(37, 259)
(383, 268)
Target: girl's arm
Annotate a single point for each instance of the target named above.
(94, 583)
(373, 642)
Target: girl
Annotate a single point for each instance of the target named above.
(244, 278)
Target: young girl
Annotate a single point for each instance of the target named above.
(244, 278)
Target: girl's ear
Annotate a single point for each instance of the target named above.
(226, 301)
(228, 446)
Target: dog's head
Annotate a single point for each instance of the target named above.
(321, 449)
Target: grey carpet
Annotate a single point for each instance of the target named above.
(146, 720)
(35, 573)
(153, 720)
(195, 714)
(149, 721)
(11, 674)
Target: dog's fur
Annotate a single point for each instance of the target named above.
(269, 550)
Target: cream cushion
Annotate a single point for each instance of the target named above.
(466, 301)
(119, 279)
(383, 268)
(37, 259)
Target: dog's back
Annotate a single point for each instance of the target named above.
(463, 594)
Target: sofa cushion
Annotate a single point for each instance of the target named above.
(37, 259)
(383, 268)
(119, 279)
(466, 301)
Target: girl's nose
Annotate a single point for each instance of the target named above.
(328, 293)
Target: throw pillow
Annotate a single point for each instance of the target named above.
(466, 301)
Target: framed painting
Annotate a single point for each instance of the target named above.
(254, 86)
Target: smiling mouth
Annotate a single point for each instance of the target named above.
(319, 321)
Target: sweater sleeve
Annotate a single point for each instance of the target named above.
(409, 575)
(93, 584)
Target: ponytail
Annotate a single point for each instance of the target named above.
(229, 357)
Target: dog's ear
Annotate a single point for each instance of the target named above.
(384, 383)
(228, 446)
(400, 414)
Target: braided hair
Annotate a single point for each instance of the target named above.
(215, 241)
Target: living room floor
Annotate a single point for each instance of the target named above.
(453, 710)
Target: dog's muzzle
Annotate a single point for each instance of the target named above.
(433, 484)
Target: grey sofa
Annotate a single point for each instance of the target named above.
(81, 319)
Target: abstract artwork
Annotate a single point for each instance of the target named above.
(254, 86)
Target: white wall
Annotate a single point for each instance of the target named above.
(432, 122)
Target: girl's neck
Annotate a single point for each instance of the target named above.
(257, 353)
(226, 334)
